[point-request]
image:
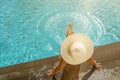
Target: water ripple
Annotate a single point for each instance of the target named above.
(56, 25)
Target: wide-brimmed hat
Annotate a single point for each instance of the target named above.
(76, 48)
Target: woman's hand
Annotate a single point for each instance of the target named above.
(98, 66)
(51, 72)
(61, 66)
(93, 62)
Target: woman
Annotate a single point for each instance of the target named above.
(63, 64)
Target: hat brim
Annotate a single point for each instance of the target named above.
(88, 45)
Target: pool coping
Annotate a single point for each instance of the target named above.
(23, 70)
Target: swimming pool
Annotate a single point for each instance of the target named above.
(34, 29)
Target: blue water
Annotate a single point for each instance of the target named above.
(35, 29)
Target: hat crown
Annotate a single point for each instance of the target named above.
(77, 48)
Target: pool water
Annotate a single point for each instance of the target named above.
(35, 29)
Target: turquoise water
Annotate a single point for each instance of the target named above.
(34, 29)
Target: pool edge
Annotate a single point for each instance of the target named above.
(23, 71)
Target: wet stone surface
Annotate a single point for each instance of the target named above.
(103, 74)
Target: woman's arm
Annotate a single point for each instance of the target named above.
(93, 62)
(58, 68)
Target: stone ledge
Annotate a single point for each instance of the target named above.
(108, 55)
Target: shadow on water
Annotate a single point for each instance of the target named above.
(87, 75)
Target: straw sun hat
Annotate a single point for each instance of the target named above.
(76, 48)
